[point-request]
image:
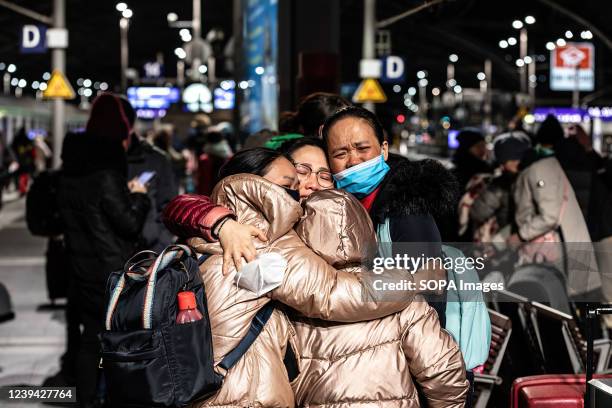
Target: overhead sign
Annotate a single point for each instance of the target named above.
(224, 99)
(370, 68)
(33, 39)
(197, 97)
(602, 112)
(574, 115)
(573, 66)
(393, 69)
(369, 91)
(58, 87)
(153, 70)
(152, 97)
(563, 114)
(57, 38)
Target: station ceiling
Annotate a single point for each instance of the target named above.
(471, 29)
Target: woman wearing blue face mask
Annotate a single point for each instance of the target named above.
(402, 197)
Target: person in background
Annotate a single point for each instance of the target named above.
(215, 153)
(163, 139)
(547, 212)
(144, 157)
(470, 157)
(42, 153)
(577, 164)
(288, 122)
(198, 131)
(227, 130)
(315, 108)
(103, 216)
(23, 147)
(492, 211)
(8, 164)
(259, 139)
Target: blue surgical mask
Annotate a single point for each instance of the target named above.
(362, 179)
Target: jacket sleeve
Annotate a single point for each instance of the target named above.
(434, 358)
(485, 205)
(192, 215)
(317, 290)
(126, 211)
(538, 197)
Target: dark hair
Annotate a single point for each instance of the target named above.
(128, 109)
(252, 161)
(258, 139)
(315, 108)
(288, 122)
(291, 146)
(550, 131)
(469, 137)
(358, 113)
(107, 118)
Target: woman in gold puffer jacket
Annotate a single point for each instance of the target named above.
(373, 363)
(310, 286)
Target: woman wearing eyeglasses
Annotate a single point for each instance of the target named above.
(198, 216)
(308, 156)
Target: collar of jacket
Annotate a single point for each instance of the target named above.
(136, 151)
(415, 188)
(258, 202)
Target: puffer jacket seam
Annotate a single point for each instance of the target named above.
(363, 401)
(361, 351)
(405, 332)
(343, 237)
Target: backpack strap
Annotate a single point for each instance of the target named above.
(257, 325)
(136, 271)
(168, 255)
(202, 258)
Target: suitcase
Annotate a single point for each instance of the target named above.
(550, 391)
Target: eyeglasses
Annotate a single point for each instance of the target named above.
(324, 177)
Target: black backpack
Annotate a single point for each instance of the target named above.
(42, 211)
(148, 359)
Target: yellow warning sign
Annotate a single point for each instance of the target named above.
(369, 91)
(58, 87)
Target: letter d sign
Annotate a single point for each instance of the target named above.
(33, 39)
(393, 69)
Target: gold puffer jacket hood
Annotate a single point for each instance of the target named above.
(337, 228)
(376, 362)
(310, 285)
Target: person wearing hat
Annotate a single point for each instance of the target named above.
(494, 206)
(470, 157)
(102, 217)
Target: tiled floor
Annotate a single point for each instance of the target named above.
(31, 344)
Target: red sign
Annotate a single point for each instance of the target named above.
(572, 67)
(571, 55)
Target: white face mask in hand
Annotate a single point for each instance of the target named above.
(262, 275)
